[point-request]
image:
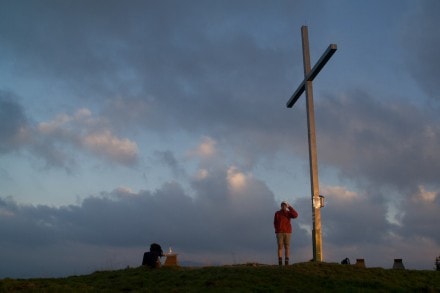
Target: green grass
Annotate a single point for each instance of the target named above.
(303, 277)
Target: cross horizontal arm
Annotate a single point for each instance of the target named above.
(321, 62)
(296, 94)
(312, 74)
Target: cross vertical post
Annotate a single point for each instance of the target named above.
(306, 85)
(313, 156)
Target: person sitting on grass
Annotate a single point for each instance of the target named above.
(152, 257)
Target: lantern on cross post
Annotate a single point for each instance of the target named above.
(319, 202)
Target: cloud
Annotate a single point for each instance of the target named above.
(14, 124)
(340, 193)
(209, 227)
(425, 196)
(345, 215)
(420, 48)
(225, 213)
(82, 131)
(106, 144)
(419, 211)
(387, 144)
(209, 75)
(206, 149)
(224, 202)
(235, 222)
(57, 140)
(236, 179)
(169, 159)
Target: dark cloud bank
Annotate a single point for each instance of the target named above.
(218, 220)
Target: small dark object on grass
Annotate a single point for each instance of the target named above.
(345, 261)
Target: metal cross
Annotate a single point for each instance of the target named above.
(306, 85)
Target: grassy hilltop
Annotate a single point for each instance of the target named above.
(302, 277)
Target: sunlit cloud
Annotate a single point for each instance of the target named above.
(236, 179)
(106, 144)
(83, 113)
(339, 192)
(54, 125)
(84, 131)
(81, 116)
(425, 195)
(206, 149)
(124, 191)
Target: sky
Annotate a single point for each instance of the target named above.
(124, 123)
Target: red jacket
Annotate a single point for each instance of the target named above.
(281, 221)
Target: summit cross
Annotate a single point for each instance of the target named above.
(306, 85)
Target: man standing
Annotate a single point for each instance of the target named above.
(283, 230)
